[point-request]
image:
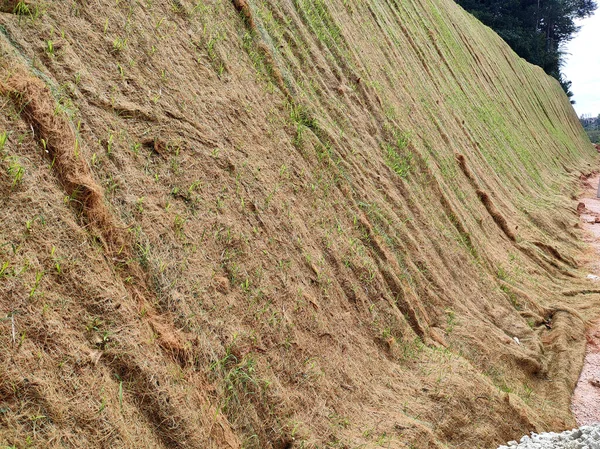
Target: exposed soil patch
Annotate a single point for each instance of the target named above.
(586, 398)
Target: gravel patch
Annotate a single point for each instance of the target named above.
(586, 437)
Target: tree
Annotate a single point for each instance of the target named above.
(566, 85)
(592, 126)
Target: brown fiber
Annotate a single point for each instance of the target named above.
(264, 238)
(496, 215)
(58, 139)
(244, 9)
(485, 198)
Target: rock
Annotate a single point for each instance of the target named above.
(586, 437)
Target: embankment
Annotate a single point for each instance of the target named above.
(281, 224)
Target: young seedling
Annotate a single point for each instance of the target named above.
(3, 269)
(120, 394)
(3, 138)
(22, 9)
(178, 226)
(56, 260)
(112, 185)
(50, 47)
(16, 171)
(194, 186)
(139, 204)
(119, 44)
(38, 278)
(109, 144)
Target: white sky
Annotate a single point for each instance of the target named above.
(582, 66)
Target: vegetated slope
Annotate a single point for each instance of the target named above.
(275, 224)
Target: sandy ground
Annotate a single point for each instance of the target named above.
(586, 398)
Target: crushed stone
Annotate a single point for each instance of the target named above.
(585, 437)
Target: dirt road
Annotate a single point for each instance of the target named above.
(586, 398)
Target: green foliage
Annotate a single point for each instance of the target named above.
(397, 155)
(591, 126)
(397, 162)
(3, 137)
(321, 21)
(22, 9)
(301, 117)
(38, 278)
(50, 48)
(238, 380)
(594, 135)
(119, 44)
(26, 9)
(450, 320)
(15, 171)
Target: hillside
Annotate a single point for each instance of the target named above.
(283, 224)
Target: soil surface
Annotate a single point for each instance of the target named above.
(269, 224)
(586, 398)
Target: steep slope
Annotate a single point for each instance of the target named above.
(283, 223)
